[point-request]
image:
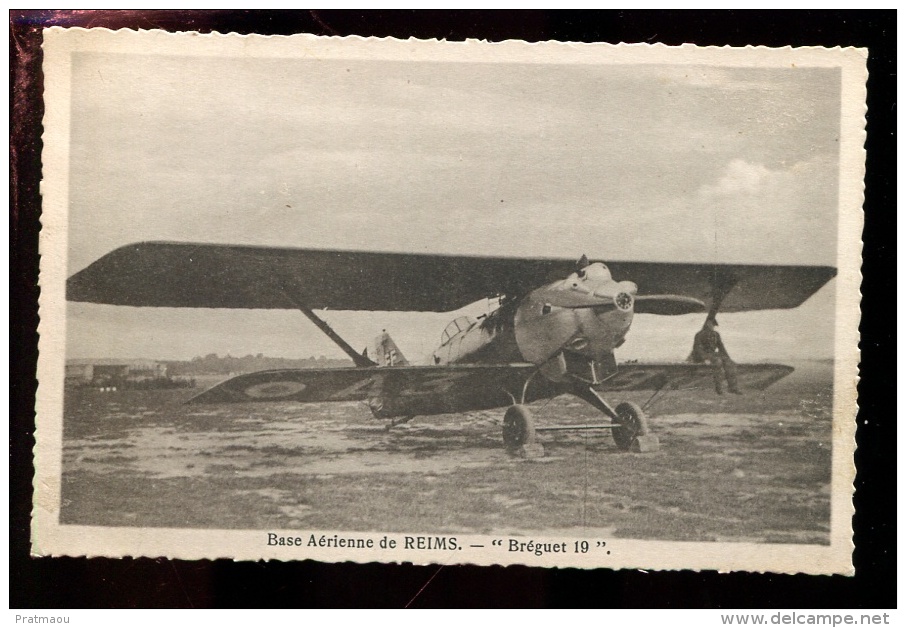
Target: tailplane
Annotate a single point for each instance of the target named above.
(384, 352)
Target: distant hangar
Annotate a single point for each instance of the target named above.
(113, 372)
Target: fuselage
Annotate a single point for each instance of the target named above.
(569, 328)
(577, 320)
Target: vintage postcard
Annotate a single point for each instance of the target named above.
(348, 299)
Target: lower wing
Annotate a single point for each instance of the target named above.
(461, 382)
(362, 384)
(685, 376)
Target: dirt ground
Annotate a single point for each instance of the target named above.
(751, 468)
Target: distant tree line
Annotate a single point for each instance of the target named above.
(154, 384)
(213, 364)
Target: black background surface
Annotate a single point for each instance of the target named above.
(79, 582)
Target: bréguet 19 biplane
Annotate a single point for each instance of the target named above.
(554, 332)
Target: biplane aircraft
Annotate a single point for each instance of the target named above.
(554, 332)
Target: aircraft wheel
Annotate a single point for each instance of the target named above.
(630, 424)
(518, 427)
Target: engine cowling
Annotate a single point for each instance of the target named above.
(587, 314)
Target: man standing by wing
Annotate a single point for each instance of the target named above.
(708, 347)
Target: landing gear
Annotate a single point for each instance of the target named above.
(519, 432)
(629, 424)
(394, 422)
(518, 427)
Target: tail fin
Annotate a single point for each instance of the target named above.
(385, 352)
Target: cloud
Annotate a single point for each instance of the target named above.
(740, 177)
(619, 162)
(789, 214)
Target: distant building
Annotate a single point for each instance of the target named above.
(77, 374)
(112, 372)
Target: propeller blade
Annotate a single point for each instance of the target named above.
(668, 304)
(575, 300)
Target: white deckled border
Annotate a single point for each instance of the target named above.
(51, 538)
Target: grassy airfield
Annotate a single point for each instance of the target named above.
(750, 468)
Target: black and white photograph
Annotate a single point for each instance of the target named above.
(364, 300)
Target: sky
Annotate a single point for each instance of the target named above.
(619, 162)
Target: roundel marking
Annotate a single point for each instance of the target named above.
(273, 390)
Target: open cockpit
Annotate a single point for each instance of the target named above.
(456, 327)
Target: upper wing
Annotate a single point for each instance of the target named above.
(429, 383)
(743, 287)
(686, 376)
(171, 274)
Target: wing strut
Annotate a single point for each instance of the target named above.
(722, 283)
(359, 359)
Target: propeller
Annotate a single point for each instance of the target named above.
(668, 304)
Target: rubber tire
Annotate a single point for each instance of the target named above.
(518, 427)
(631, 423)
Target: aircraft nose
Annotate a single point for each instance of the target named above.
(614, 288)
(623, 301)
